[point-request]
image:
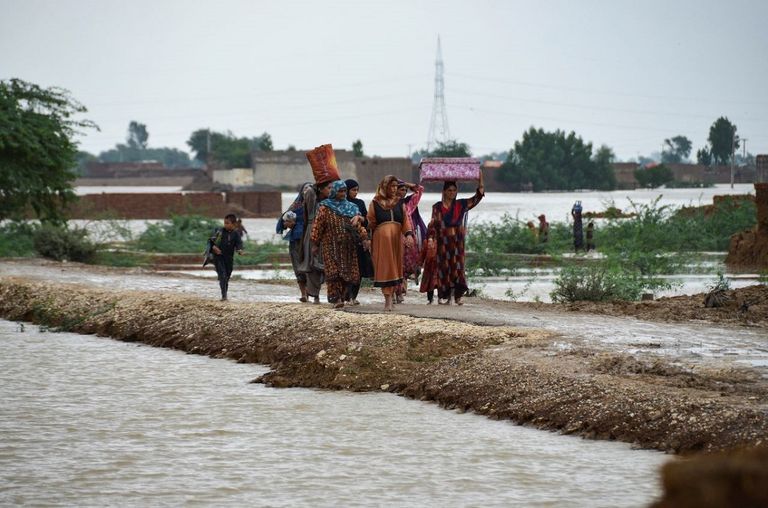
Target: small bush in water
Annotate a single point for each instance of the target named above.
(63, 243)
(599, 283)
(183, 233)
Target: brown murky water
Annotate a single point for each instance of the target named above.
(90, 421)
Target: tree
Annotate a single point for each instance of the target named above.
(450, 148)
(137, 135)
(37, 153)
(357, 148)
(556, 161)
(654, 176)
(703, 156)
(83, 158)
(677, 149)
(227, 149)
(723, 140)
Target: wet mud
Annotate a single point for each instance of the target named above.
(505, 372)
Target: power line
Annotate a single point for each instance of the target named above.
(600, 92)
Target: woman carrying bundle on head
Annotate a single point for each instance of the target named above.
(338, 230)
(311, 261)
(388, 220)
(449, 218)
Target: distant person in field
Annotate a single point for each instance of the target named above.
(590, 236)
(578, 227)
(223, 243)
(543, 229)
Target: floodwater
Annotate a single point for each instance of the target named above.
(90, 421)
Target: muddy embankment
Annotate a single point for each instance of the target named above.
(503, 373)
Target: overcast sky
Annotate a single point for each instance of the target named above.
(622, 73)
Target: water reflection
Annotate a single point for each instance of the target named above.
(91, 421)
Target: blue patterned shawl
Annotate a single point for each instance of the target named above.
(340, 207)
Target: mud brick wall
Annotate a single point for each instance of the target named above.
(162, 205)
(264, 204)
(761, 200)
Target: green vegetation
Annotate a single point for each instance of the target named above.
(654, 177)
(16, 239)
(676, 149)
(557, 161)
(226, 148)
(63, 243)
(37, 152)
(601, 282)
(182, 233)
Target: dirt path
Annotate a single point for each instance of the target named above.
(721, 344)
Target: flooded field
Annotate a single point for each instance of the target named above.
(525, 206)
(91, 421)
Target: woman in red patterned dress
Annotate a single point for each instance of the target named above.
(449, 218)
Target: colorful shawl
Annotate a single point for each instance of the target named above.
(340, 206)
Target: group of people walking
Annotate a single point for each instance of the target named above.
(335, 239)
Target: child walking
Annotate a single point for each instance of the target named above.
(223, 243)
(429, 279)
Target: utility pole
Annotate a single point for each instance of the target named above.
(733, 154)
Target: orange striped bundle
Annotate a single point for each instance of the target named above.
(323, 163)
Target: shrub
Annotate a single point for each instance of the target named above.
(63, 243)
(182, 233)
(16, 239)
(598, 283)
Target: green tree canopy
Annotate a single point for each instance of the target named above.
(227, 149)
(676, 149)
(653, 177)
(136, 149)
(137, 135)
(556, 161)
(723, 140)
(37, 153)
(357, 148)
(703, 156)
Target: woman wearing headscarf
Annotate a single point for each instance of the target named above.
(449, 218)
(363, 256)
(311, 262)
(338, 235)
(411, 255)
(388, 220)
(293, 220)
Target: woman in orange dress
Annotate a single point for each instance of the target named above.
(388, 220)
